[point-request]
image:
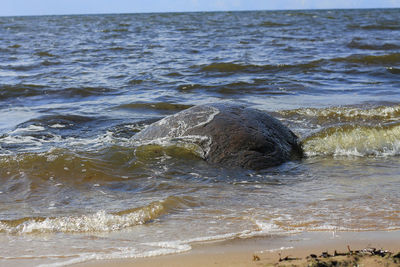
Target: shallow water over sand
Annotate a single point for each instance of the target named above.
(74, 90)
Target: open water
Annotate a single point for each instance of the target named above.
(74, 90)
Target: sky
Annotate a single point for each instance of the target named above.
(57, 7)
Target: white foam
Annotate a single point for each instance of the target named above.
(164, 248)
(29, 143)
(359, 141)
(151, 249)
(101, 140)
(388, 112)
(40, 143)
(10, 139)
(30, 128)
(98, 222)
(57, 125)
(202, 118)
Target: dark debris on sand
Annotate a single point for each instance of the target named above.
(365, 257)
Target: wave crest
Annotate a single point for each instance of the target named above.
(385, 113)
(100, 221)
(351, 140)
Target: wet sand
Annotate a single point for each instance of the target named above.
(266, 251)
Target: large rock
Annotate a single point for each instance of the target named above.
(226, 134)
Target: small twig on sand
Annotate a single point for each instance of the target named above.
(287, 258)
(339, 254)
(350, 252)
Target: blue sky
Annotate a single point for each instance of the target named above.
(52, 7)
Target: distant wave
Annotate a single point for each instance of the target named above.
(44, 54)
(257, 86)
(370, 59)
(115, 30)
(154, 106)
(234, 68)
(393, 70)
(273, 24)
(384, 25)
(20, 90)
(29, 90)
(227, 67)
(371, 46)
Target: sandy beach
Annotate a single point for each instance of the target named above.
(267, 251)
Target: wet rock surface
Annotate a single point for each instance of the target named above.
(228, 134)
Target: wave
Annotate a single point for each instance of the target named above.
(232, 67)
(162, 248)
(44, 54)
(20, 90)
(302, 14)
(367, 46)
(135, 81)
(384, 25)
(64, 119)
(27, 138)
(29, 90)
(378, 114)
(15, 46)
(50, 63)
(386, 59)
(117, 48)
(355, 140)
(100, 221)
(269, 24)
(22, 67)
(115, 30)
(191, 86)
(58, 163)
(84, 91)
(393, 70)
(155, 106)
(33, 65)
(55, 128)
(368, 130)
(80, 162)
(255, 86)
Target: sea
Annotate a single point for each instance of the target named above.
(75, 89)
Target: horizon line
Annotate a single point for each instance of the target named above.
(194, 11)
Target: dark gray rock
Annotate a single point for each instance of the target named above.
(226, 134)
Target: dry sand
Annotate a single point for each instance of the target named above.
(266, 251)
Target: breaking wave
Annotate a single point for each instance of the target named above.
(384, 113)
(100, 221)
(348, 130)
(350, 140)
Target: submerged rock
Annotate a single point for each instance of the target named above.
(227, 134)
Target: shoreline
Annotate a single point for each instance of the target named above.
(266, 251)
